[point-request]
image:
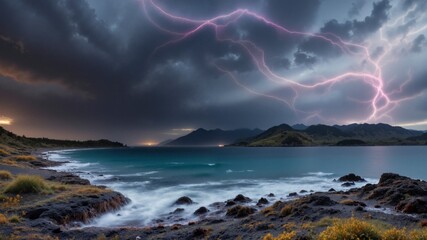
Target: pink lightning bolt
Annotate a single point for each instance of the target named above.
(380, 104)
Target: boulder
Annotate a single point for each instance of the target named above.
(351, 178)
(292, 194)
(262, 201)
(201, 211)
(318, 200)
(417, 206)
(348, 184)
(184, 201)
(241, 198)
(240, 211)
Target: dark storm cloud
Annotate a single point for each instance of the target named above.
(301, 58)
(348, 30)
(89, 68)
(356, 7)
(418, 43)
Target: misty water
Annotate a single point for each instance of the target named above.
(153, 178)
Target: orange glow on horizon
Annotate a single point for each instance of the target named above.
(6, 121)
(149, 144)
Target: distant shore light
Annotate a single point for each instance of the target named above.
(5, 120)
(149, 144)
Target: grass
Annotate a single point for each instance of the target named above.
(3, 219)
(14, 219)
(4, 152)
(283, 236)
(352, 228)
(27, 184)
(24, 158)
(5, 175)
(286, 210)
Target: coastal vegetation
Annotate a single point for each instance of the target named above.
(285, 135)
(27, 184)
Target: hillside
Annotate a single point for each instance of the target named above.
(203, 137)
(12, 142)
(344, 135)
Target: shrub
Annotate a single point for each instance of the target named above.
(14, 219)
(286, 211)
(5, 175)
(350, 229)
(9, 202)
(4, 152)
(3, 219)
(27, 184)
(24, 158)
(282, 236)
(418, 235)
(240, 211)
(395, 234)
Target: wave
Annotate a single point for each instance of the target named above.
(156, 203)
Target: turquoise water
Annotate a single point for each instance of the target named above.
(153, 178)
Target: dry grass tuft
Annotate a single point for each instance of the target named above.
(4, 152)
(24, 158)
(350, 229)
(282, 236)
(27, 184)
(286, 210)
(3, 219)
(5, 175)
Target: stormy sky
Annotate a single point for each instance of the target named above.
(149, 70)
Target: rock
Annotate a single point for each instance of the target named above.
(387, 178)
(417, 206)
(377, 206)
(35, 213)
(241, 198)
(359, 209)
(69, 179)
(79, 208)
(318, 200)
(201, 211)
(200, 232)
(184, 201)
(271, 195)
(262, 201)
(348, 184)
(351, 178)
(303, 191)
(230, 203)
(331, 190)
(178, 210)
(292, 194)
(240, 211)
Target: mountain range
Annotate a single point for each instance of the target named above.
(12, 142)
(203, 137)
(302, 135)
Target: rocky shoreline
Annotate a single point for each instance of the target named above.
(396, 200)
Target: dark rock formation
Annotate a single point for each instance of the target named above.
(78, 209)
(405, 194)
(348, 184)
(184, 201)
(262, 201)
(240, 211)
(241, 198)
(351, 178)
(292, 194)
(201, 211)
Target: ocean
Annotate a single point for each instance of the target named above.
(155, 177)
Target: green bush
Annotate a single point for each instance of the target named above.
(5, 175)
(27, 184)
